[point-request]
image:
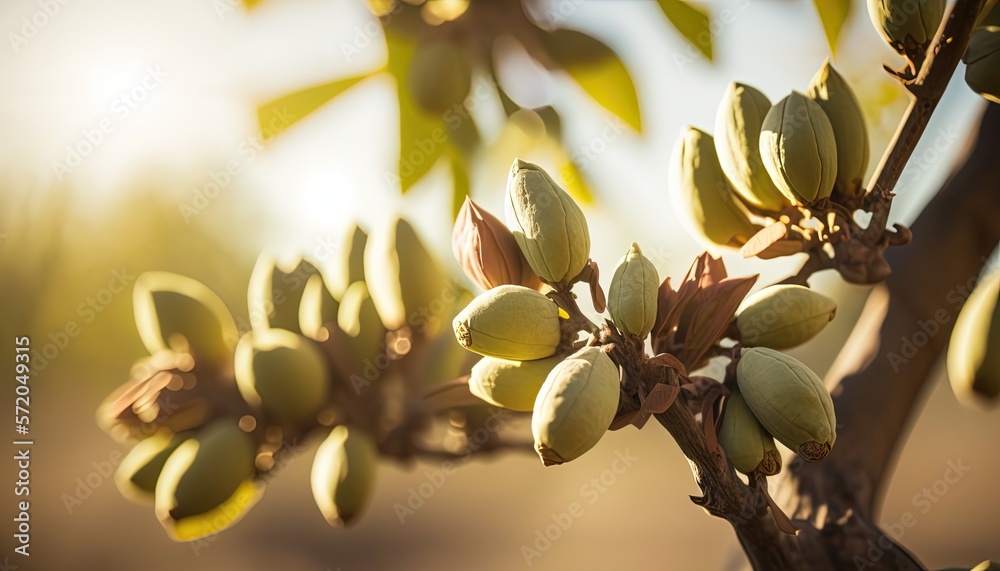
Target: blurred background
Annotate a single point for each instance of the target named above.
(178, 177)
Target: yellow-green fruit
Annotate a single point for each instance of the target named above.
(403, 278)
(783, 316)
(440, 76)
(702, 191)
(908, 26)
(178, 313)
(205, 484)
(799, 149)
(834, 96)
(982, 62)
(317, 310)
(737, 142)
(343, 474)
(632, 298)
(575, 406)
(136, 476)
(509, 322)
(364, 334)
(275, 292)
(510, 384)
(789, 400)
(547, 223)
(283, 373)
(987, 565)
(350, 266)
(974, 349)
(749, 447)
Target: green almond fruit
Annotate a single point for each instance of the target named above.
(343, 474)
(747, 444)
(982, 62)
(974, 348)
(318, 309)
(575, 406)
(829, 90)
(737, 142)
(547, 224)
(908, 26)
(136, 476)
(283, 373)
(275, 292)
(789, 400)
(703, 192)
(633, 293)
(177, 313)
(510, 322)
(205, 485)
(783, 316)
(440, 76)
(513, 385)
(799, 149)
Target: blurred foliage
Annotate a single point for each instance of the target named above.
(432, 82)
(833, 14)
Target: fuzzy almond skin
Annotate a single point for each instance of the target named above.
(832, 93)
(632, 297)
(575, 406)
(908, 23)
(509, 322)
(701, 190)
(799, 149)
(789, 400)
(513, 385)
(783, 316)
(547, 224)
(974, 349)
(747, 444)
(737, 141)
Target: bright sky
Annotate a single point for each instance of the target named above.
(175, 84)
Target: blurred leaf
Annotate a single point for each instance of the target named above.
(691, 22)
(576, 184)
(460, 181)
(833, 14)
(598, 71)
(551, 119)
(990, 16)
(422, 136)
(509, 107)
(279, 114)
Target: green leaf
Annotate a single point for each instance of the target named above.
(279, 114)
(576, 184)
(422, 136)
(833, 14)
(460, 182)
(692, 23)
(598, 71)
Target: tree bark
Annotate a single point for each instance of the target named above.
(876, 386)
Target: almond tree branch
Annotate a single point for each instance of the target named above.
(926, 90)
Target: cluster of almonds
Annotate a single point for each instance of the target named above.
(779, 162)
(216, 410)
(527, 327)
